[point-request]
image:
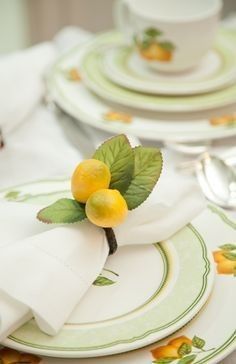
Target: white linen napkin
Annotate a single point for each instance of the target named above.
(45, 271)
(21, 83)
(36, 147)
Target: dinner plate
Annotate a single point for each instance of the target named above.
(68, 90)
(123, 65)
(143, 294)
(94, 77)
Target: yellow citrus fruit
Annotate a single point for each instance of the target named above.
(106, 208)
(179, 341)
(219, 256)
(226, 267)
(167, 351)
(156, 53)
(89, 176)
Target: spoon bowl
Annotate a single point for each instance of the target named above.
(217, 180)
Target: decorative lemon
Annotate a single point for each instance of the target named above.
(89, 176)
(226, 267)
(166, 351)
(156, 53)
(177, 342)
(106, 208)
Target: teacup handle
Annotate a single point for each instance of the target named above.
(122, 19)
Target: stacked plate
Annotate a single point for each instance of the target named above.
(105, 84)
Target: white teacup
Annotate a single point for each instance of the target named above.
(170, 35)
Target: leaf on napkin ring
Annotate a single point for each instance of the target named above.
(116, 179)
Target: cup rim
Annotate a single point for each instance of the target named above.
(201, 16)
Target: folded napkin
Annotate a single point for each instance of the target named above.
(21, 86)
(45, 271)
(35, 145)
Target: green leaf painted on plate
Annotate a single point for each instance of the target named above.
(184, 349)
(168, 46)
(118, 155)
(163, 361)
(152, 32)
(228, 247)
(230, 256)
(187, 359)
(147, 170)
(103, 281)
(63, 211)
(197, 342)
(12, 195)
(146, 43)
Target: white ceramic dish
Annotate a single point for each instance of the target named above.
(74, 98)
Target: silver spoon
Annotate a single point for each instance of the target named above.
(217, 180)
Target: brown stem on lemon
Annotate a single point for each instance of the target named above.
(111, 240)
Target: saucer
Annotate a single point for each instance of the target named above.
(122, 65)
(93, 76)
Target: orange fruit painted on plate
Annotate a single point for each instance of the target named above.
(167, 351)
(226, 267)
(106, 208)
(219, 255)
(179, 341)
(156, 53)
(89, 176)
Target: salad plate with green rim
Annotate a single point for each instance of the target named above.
(142, 295)
(67, 88)
(123, 66)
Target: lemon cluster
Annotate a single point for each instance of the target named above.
(90, 185)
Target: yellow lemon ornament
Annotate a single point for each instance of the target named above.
(106, 208)
(89, 176)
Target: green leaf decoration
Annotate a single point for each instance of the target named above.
(184, 349)
(12, 195)
(63, 211)
(147, 170)
(187, 359)
(152, 32)
(163, 361)
(230, 256)
(228, 247)
(103, 281)
(146, 43)
(118, 155)
(198, 343)
(168, 46)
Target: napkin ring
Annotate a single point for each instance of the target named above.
(111, 240)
